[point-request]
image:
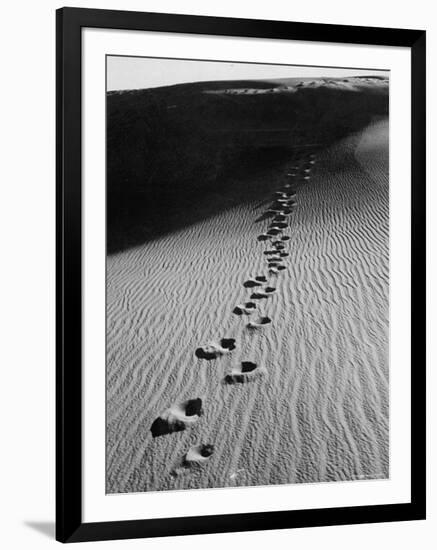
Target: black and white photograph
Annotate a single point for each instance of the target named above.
(247, 274)
(218, 275)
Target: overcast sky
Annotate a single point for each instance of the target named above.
(128, 73)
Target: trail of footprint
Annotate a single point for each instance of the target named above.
(279, 210)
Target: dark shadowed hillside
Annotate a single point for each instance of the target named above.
(178, 153)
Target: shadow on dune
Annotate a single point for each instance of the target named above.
(179, 154)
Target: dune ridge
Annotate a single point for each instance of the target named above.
(168, 147)
(319, 413)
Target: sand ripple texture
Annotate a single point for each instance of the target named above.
(320, 413)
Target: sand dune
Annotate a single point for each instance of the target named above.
(162, 162)
(320, 411)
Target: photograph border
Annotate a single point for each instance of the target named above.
(69, 297)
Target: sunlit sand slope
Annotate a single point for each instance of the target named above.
(317, 410)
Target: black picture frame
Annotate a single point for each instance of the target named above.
(69, 524)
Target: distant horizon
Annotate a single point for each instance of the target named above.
(135, 73)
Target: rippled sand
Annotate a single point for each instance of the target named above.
(320, 411)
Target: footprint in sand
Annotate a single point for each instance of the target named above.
(263, 237)
(257, 281)
(275, 211)
(288, 206)
(194, 458)
(245, 372)
(177, 418)
(245, 309)
(285, 238)
(214, 350)
(198, 454)
(270, 252)
(260, 294)
(273, 262)
(274, 231)
(250, 283)
(274, 270)
(259, 323)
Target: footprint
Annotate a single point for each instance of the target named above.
(273, 211)
(263, 237)
(265, 293)
(250, 283)
(278, 225)
(177, 418)
(246, 309)
(261, 278)
(259, 295)
(214, 350)
(259, 323)
(228, 343)
(270, 252)
(245, 372)
(283, 254)
(274, 231)
(198, 454)
(276, 268)
(285, 238)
